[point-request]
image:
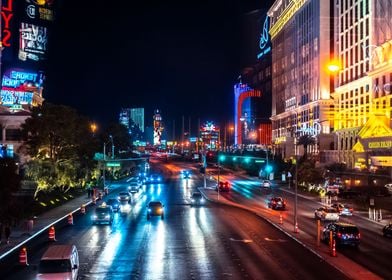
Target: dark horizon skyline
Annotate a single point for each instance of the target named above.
(181, 58)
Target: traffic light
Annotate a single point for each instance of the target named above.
(222, 158)
(234, 158)
(247, 160)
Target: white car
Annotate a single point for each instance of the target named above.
(266, 184)
(326, 214)
(389, 188)
(134, 187)
(124, 197)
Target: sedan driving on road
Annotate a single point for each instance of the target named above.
(224, 186)
(115, 203)
(266, 184)
(103, 214)
(197, 199)
(155, 208)
(124, 196)
(326, 214)
(387, 230)
(277, 203)
(343, 210)
(154, 178)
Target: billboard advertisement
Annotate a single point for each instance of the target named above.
(33, 41)
(8, 26)
(19, 86)
(39, 10)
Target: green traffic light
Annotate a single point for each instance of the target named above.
(222, 158)
(234, 158)
(268, 168)
(247, 160)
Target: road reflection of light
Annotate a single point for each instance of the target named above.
(241, 188)
(107, 257)
(159, 190)
(197, 237)
(156, 251)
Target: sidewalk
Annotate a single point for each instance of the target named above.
(20, 235)
(340, 262)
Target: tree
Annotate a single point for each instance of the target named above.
(61, 146)
(9, 183)
(306, 140)
(121, 138)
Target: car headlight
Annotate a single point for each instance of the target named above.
(94, 217)
(193, 200)
(149, 210)
(107, 216)
(201, 199)
(119, 198)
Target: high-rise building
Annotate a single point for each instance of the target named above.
(301, 103)
(25, 27)
(253, 93)
(363, 100)
(158, 128)
(133, 120)
(137, 116)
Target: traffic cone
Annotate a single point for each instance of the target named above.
(23, 257)
(52, 234)
(280, 219)
(333, 252)
(70, 219)
(296, 228)
(83, 209)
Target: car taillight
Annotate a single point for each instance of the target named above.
(339, 235)
(226, 184)
(359, 235)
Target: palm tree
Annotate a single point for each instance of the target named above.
(306, 140)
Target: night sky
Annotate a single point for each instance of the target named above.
(181, 57)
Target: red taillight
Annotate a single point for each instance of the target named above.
(359, 235)
(226, 184)
(339, 235)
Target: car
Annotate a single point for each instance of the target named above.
(134, 186)
(115, 203)
(197, 199)
(343, 233)
(124, 197)
(185, 174)
(224, 186)
(155, 208)
(387, 230)
(266, 184)
(343, 210)
(154, 178)
(326, 214)
(277, 203)
(103, 214)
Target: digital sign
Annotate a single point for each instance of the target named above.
(19, 86)
(40, 10)
(33, 42)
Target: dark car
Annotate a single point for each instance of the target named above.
(103, 214)
(197, 199)
(343, 233)
(387, 230)
(277, 203)
(155, 208)
(185, 174)
(153, 179)
(115, 203)
(224, 186)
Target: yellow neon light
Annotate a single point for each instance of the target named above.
(286, 15)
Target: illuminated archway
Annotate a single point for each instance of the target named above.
(241, 92)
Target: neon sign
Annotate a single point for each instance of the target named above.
(6, 16)
(264, 39)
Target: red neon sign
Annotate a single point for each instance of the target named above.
(6, 16)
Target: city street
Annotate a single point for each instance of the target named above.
(204, 242)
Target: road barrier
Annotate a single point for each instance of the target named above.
(70, 219)
(52, 234)
(23, 257)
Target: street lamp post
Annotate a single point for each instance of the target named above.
(296, 192)
(104, 158)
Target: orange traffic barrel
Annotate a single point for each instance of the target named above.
(70, 219)
(52, 234)
(23, 257)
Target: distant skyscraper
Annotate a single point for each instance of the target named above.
(133, 120)
(137, 116)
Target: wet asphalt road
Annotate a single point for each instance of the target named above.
(207, 242)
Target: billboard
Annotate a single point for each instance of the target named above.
(33, 41)
(7, 28)
(19, 86)
(39, 10)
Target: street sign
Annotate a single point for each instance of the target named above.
(113, 164)
(289, 174)
(259, 160)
